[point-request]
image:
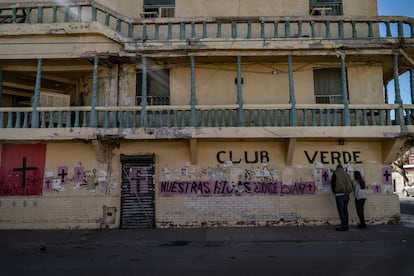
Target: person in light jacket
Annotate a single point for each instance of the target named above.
(341, 185)
(360, 198)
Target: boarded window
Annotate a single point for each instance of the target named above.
(327, 84)
(158, 87)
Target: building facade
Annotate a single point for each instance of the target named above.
(193, 113)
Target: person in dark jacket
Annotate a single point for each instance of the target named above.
(341, 185)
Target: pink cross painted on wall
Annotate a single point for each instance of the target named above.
(386, 175)
(63, 174)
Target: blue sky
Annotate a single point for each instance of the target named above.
(403, 8)
(396, 7)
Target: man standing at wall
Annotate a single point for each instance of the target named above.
(342, 186)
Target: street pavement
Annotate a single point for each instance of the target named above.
(302, 250)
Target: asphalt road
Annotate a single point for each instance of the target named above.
(321, 258)
(407, 205)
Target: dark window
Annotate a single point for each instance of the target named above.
(158, 8)
(327, 84)
(21, 101)
(158, 87)
(325, 7)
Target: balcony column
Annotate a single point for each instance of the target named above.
(292, 99)
(144, 93)
(36, 97)
(397, 81)
(240, 113)
(346, 116)
(193, 113)
(411, 84)
(398, 100)
(1, 85)
(94, 100)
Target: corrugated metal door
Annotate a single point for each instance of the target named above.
(137, 198)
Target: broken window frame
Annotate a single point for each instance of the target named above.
(326, 7)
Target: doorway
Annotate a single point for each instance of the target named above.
(138, 191)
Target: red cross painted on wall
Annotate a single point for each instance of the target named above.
(22, 169)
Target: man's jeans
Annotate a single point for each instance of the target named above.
(342, 205)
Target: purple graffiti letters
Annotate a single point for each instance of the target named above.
(209, 188)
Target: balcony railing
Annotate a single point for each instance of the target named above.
(312, 115)
(138, 29)
(265, 27)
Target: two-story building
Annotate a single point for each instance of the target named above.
(194, 113)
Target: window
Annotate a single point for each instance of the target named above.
(158, 8)
(325, 7)
(327, 84)
(158, 87)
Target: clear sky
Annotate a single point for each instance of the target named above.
(403, 8)
(396, 7)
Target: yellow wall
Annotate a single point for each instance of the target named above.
(71, 205)
(186, 8)
(215, 83)
(232, 210)
(360, 8)
(365, 84)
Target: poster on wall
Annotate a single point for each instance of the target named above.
(22, 168)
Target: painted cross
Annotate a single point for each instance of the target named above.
(376, 189)
(325, 177)
(386, 175)
(79, 174)
(24, 169)
(310, 187)
(133, 177)
(48, 184)
(63, 172)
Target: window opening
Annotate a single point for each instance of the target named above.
(327, 85)
(325, 7)
(158, 8)
(158, 87)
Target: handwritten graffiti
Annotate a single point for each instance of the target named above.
(208, 188)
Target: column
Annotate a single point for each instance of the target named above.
(346, 114)
(292, 99)
(240, 113)
(36, 98)
(94, 100)
(193, 113)
(144, 93)
(398, 100)
(411, 85)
